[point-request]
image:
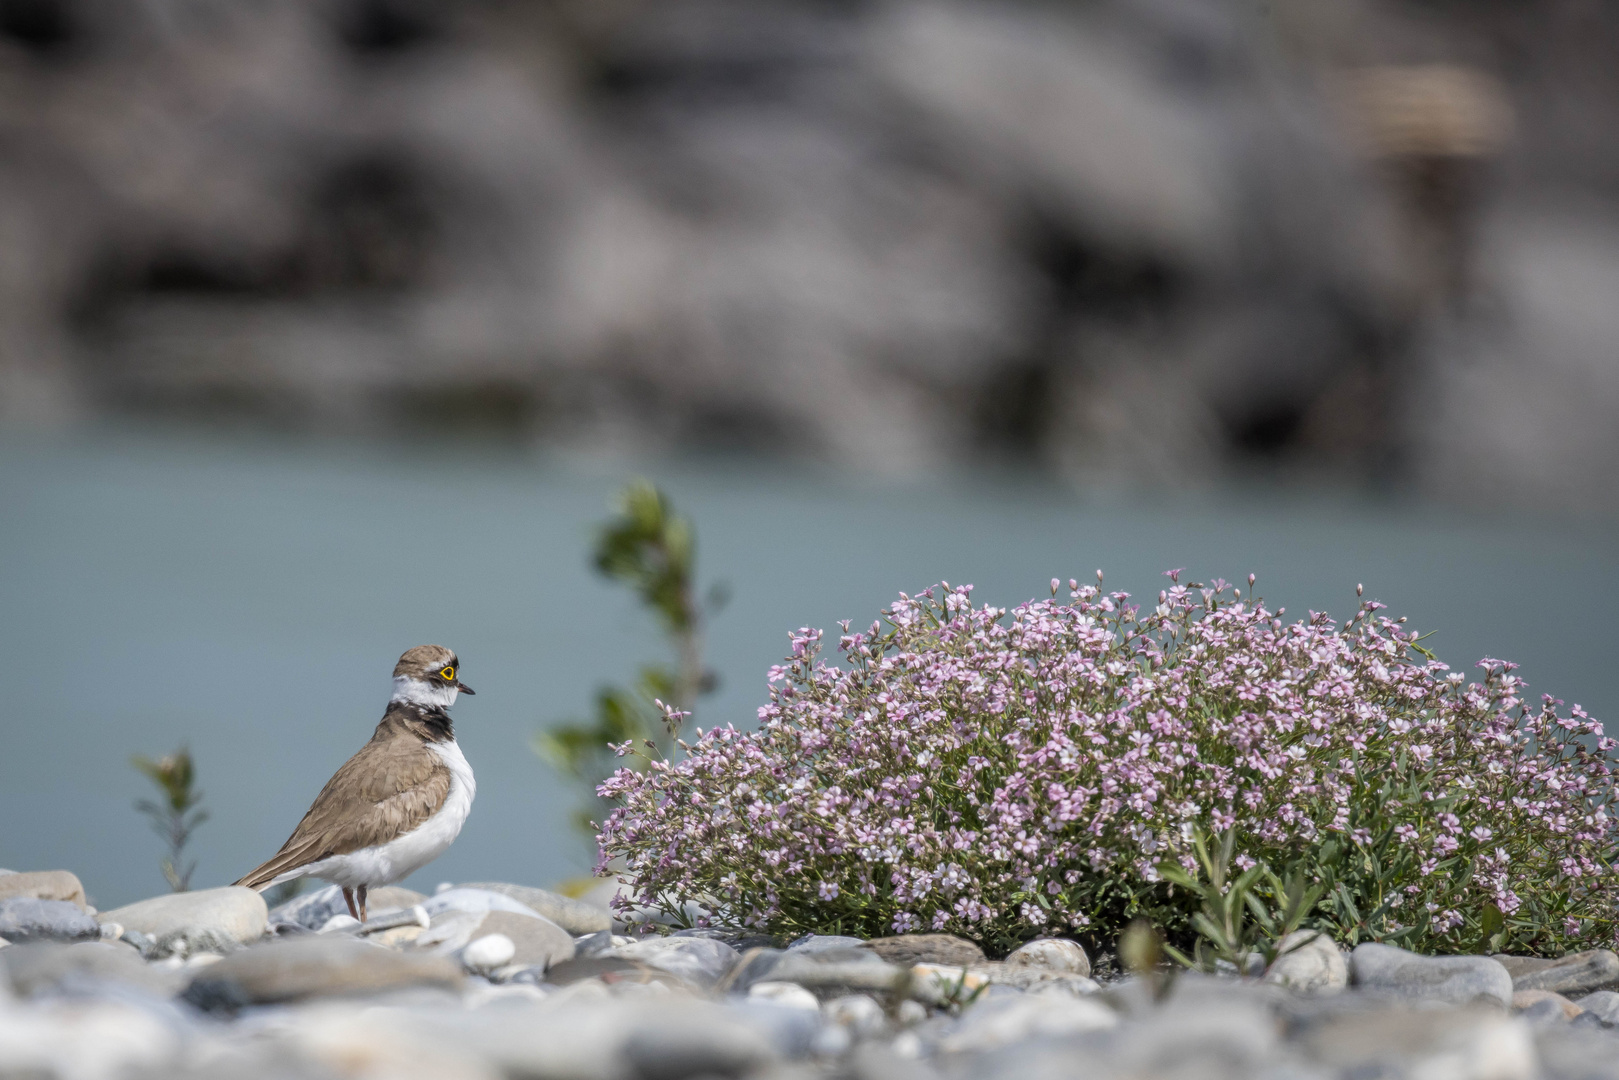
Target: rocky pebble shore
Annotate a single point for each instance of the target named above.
(491, 980)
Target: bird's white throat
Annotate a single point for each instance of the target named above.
(438, 695)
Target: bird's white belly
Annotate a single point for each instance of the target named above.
(384, 864)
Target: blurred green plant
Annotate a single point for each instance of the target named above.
(176, 815)
(653, 550)
(1242, 919)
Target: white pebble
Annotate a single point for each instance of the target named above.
(910, 1013)
(833, 1040)
(784, 993)
(907, 1044)
(860, 1013)
(338, 922)
(111, 931)
(203, 959)
(444, 886)
(488, 953)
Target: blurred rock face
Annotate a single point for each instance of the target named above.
(1129, 239)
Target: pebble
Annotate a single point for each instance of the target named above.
(574, 916)
(787, 994)
(1309, 963)
(48, 966)
(1603, 1004)
(813, 943)
(24, 918)
(310, 967)
(908, 949)
(474, 901)
(487, 953)
(715, 1044)
(988, 1025)
(1051, 954)
(80, 1039)
(207, 920)
(536, 941)
(1477, 1043)
(1455, 980)
(1541, 1006)
(860, 1013)
(44, 885)
(1577, 973)
(701, 961)
(830, 969)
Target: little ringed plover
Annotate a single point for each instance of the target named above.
(398, 803)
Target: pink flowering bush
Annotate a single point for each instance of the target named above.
(1004, 775)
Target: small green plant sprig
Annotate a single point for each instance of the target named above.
(176, 814)
(1242, 920)
(653, 550)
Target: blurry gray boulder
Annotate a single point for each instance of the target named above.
(1455, 980)
(1571, 975)
(206, 920)
(574, 916)
(24, 919)
(315, 966)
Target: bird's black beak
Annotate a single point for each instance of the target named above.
(464, 688)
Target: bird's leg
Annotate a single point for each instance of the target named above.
(360, 895)
(348, 898)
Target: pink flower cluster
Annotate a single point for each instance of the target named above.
(1004, 774)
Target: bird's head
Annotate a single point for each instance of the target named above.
(426, 675)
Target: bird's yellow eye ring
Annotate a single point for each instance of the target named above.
(448, 674)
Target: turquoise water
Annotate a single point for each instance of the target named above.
(250, 599)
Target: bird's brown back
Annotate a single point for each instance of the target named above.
(393, 785)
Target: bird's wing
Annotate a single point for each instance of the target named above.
(394, 784)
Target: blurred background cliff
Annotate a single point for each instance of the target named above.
(1125, 241)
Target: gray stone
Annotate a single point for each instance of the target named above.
(1477, 1043)
(1541, 1007)
(1308, 962)
(702, 961)
(602, 1037)
(1603, 1004)
(1580, 1050)
(44, 885)
(830, 968)
(474, 901)
(860, 1013)
(208, 920)
(310, 967)
(1051, 954)
(23, 919)
(675, 1051)
(44, 966)
(313, 910)
(1456, 980)
(1577, 973)
(574, 916)
(811, 943)
(907, 949)
(990, 1024)
(536, 941)
(788, 995)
